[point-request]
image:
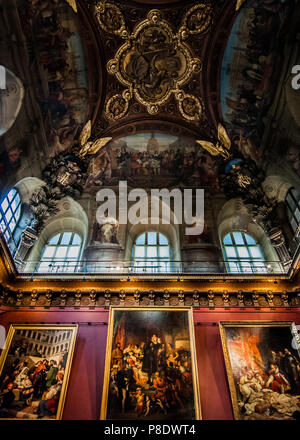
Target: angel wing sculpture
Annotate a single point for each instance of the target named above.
(239, 4)
(222, 147)
(90, 147)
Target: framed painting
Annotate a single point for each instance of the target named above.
(263, 368)
(150, 369)
(34, 371)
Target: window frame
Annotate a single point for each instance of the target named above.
(239, 264)
(7, 232)
(291, 212)
(64, 264)
(151, 264)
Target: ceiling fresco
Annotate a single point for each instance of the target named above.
(250, 70)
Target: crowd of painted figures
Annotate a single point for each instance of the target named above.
(272, 389)
(30, 386)
(252, 96)
(150, 379)
(122, 163)
(62, 99)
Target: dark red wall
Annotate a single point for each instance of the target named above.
(83, 399)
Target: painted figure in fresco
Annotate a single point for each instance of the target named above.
(99, 170)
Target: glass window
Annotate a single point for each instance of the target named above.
(292, 201)
(10, 210)
(243, 254)
(61, 253)
(151, 252)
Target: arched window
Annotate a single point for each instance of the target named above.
(61, 253)
(243, 254)
(151, 252)
(10, 210)
(292, 201)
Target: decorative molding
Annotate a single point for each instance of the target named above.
(154, 62)
(211, 299)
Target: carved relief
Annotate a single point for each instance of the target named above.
(154, 62)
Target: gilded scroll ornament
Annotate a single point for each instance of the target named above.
(154, 62)
(111, 19)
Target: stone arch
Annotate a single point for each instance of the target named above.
(71, 217)
(171, 231)
(234, 216)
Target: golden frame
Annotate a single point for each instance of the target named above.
(68, 327)
(105, 389)
(226, 324)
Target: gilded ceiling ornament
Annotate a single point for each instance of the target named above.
(111, 19)
(73, 4)
(90, 147)
(154, 62)
(196, 21)
(222, 147)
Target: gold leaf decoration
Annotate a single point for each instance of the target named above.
(73, 4)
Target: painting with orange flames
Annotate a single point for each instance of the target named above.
(263, 368)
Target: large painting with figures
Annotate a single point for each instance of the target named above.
(152, 159)
(263, 368)
(34, 371)
(150, 371)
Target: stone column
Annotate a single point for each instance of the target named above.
(278, 241)
(27, 241)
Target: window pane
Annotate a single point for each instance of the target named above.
(242, 252)
(151, 252)
(230, 252)
(233, 267)
(297, 214)
(294, 224)
(250, 240)
(61, 252)
(255, 252)
(11, 194)
(291, 202)
(238, 238)
(54, 240)
(8, 215)
(246, 267)
(12, 225)
(18, 213)
(4, 204)
(140, 252)
(141, 239)
(49, 252)
(76, 239)
(164, 251)
(163, 240)
(66, 238)
(14, 204)
(152, 238)
(227, 239)
(296, 194)
(73, 251)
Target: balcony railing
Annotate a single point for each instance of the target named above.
(144, 267)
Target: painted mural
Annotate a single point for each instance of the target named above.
(52, 30)
(249, 70)
(153, 159)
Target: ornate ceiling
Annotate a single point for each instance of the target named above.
(159, 67)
